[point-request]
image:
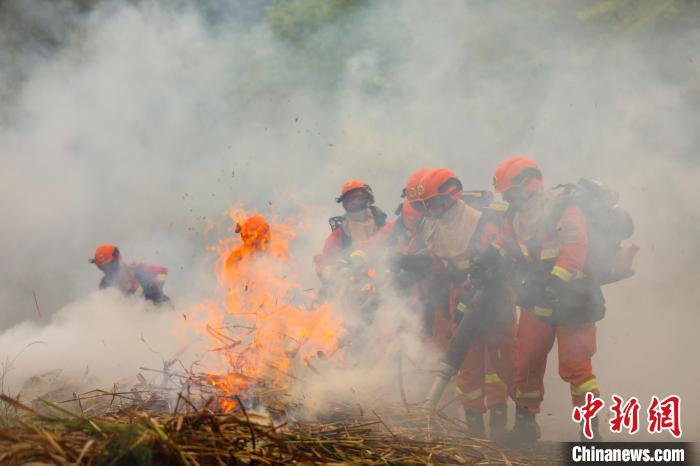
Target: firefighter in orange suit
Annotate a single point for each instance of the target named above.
(134, 278)
(456, 235)
(361, 221)
(399, 235)
(548, 244)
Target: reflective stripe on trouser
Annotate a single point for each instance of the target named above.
(535, 338)
(469, 396)
(492, 354)
(578, 392)
(531, 395)
(495, 390)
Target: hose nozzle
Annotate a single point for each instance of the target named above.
(444, 375)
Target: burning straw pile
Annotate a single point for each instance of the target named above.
(195, 417)
(204, 437)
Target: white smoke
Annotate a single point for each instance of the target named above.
(100, 339)
(137, 122)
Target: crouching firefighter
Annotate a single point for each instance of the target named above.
(554, 241)
(478, 312)
(359, 223)
(134, 278)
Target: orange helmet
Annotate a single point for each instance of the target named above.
(104, 254)
(513, 171)
(439, 182)
(410, 192)
(353, 185)
(254, 230)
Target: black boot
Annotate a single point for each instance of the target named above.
(475, 423)
(525, 431)
(498, 417)
(595, 428)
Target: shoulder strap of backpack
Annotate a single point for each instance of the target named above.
(549, 224)
(336, 222)
(565, 199)
(379, 216)
(474, 241)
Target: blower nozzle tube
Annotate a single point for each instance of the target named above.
(444, 375)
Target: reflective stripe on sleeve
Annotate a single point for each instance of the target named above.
(562, 273)
(358, 254)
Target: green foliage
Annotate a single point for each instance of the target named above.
(631, 14)
(127, 448)
(8, 413)
(140, 443)
(296, 20)
(321, 35)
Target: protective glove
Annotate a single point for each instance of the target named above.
(527, 290)
(548, 300)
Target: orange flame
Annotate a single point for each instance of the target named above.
(259, 329)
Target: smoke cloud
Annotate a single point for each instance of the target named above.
(139, 122)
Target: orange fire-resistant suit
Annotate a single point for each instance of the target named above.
(347, 232)
(489, 365)
(558, 251)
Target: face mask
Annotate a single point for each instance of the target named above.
(356, 204)
(358, 215)
(515, 197)
(435, 207)
(355, 207)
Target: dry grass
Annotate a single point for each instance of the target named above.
(203, 437)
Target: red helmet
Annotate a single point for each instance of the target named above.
(513, 170)
(439, 182)
(104, 254)
(354, 185)
(410, 192)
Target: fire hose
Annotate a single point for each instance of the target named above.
(457, 350)
(489, 292)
